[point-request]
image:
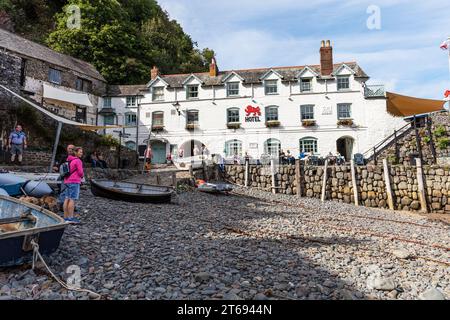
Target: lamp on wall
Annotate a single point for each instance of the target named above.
(177, 107)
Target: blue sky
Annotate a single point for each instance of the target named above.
(404, 54)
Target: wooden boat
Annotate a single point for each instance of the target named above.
(215, 187)
(131, 192)
(16, 185)
(20, 224)
(48, 178)
(196, 162)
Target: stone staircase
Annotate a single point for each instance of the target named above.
(429, 137)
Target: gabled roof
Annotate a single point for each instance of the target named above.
(232, 73)
(158, 78)
(193, 76)
(124, 91)
(307, 68)
(265, 75)
(14, 43)
(250, 76)
(343, 66)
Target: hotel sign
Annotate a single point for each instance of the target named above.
(252, 114)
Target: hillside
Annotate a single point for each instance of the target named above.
(123, 39)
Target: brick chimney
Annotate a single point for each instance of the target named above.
(154, 72)
(213, 69)
(326, 58)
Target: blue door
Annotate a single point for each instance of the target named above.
(159, 153)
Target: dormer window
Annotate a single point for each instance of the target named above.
(158, 94)
(107, 102)
(306, 85)
(271, 87)
(343, 83)
(233, 89)
(192, 92)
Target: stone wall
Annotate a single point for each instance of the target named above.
(369, 179)
(10, 67)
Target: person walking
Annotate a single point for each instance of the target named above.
(17, 144)
(62, 188)
(73, 183)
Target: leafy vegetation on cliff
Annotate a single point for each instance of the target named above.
(123, 39)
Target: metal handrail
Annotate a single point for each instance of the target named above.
(381, 146)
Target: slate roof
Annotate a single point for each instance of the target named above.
(13, 42)
(254, 75)
(126, 90)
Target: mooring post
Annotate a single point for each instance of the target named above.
(387, 182)
(174, 179)
(298, 177)
(272, 172)
(247, 169)
(324, 181)
(158, 179)
(55, 147)
(421, 186)
(354, 183)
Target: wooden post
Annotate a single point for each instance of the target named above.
(418, 140)
(247, 172)
(158, 179)
(375, 155)
(355, 185)
(421, 186)
(191, 173)
(387, 182)
(174, 179)
(397, 152)
(55, 147)
(324, 181)
(272, 172)
(298, 177)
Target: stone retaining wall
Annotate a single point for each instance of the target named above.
(370, 182)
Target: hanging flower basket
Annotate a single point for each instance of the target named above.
(191, 126)
(345, 123)
(273, 123)
(233, 125)
(308, 123)
(157, 128)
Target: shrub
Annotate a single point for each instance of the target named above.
(440, 132)
(109, 141)
(443, 143)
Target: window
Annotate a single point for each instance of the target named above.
(233, 148)
(158, 94)
(271, 86)
(344, 111)
(272, 113)
(131, 145)
(131, 101)
(108, 120)
(192, 92)
(307, 112)
(272, 147)
(306, 85)
(54, 76)
(83, 85)
(192, 117)
(130, 119)
(233, 89)
(308, 145)
(233, 115)
(343, 83)
(107, 102)
(158, 119)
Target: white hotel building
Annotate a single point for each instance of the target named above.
(316, 108)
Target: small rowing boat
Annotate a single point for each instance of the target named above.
(16, 186)
(22, 223)
(203, 186)
(131, 192)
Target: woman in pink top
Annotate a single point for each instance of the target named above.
(73, 183)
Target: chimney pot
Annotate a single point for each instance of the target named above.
(213, 69)
(322, 45)
(326, 58)
(154, 72)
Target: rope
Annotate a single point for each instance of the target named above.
(37, 256)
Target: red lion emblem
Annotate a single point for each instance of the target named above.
(255, 111)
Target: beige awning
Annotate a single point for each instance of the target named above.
(404, 106)
(81, 99)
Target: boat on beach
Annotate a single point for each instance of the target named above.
(22, 223)
(131, 192)
(196, 162)
(16, 185)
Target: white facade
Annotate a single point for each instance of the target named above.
(371, 122)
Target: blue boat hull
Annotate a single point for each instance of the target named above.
(12, 253)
